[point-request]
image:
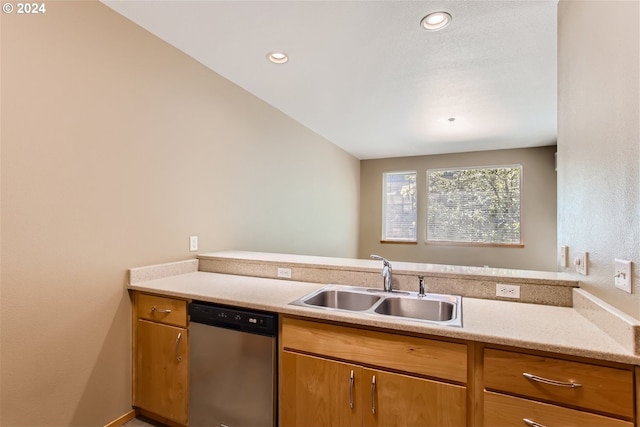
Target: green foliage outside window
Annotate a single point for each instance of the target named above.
(474, 205)
(399, 207)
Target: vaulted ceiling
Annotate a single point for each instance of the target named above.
(369, 78)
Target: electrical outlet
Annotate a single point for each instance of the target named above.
(507, 291)
(284, 273)
(581, 262)
(622, 277)
(193, 243)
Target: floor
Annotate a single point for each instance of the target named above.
(142, 422)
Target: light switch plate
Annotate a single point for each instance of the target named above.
(581, 262)
(564, 256)
(622, 276)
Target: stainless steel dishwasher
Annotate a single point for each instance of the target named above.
(232, 368)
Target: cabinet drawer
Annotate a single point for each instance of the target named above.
(422, 356)
(604, 389)
(161, 309)
(508, 411)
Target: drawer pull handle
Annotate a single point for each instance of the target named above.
(373, 395)
(351, 381)
(542, 380)
(178, 357)
(160, 310)
(532, 423)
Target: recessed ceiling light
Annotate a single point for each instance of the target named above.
(277, 57)
(435, 21)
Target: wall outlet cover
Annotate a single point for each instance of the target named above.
(193, 243)
(284, 273)
(507, 291)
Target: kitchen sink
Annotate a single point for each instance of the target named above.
(341, 299)
(417, 308)
(429, 308)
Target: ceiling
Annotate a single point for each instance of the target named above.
(367, 77)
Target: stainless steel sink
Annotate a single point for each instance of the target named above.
(430, 308)
(417, 308)
(341, 299)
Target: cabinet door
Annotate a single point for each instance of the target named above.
(316, 392)
(161, 370)
(399, 400)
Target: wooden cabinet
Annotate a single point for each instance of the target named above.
(318, 392)
(401, 400)
(332, 375)
(161, 357)
(365, 378)
(549, 391)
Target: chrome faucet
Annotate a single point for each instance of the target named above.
(386, 272)
(421, 292)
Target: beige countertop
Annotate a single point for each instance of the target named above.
(529, 326)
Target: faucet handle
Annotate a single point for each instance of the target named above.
(385, 261)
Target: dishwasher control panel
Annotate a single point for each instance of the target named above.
(246, 320)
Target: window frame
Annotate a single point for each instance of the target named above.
(519, 244)
(384, 238)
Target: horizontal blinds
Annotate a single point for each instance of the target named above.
(474, 205)
(399, 206)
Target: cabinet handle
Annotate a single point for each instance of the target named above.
(373, 395)
(536, 378)
(178, 357)
(532, 423)
(160, 310)
(351, 381)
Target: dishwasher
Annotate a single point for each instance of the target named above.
(232, 369)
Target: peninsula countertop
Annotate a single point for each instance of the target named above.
(528, 326)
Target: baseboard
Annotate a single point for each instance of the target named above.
(122, 419)
(158, 418)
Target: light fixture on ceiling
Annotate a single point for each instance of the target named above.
(435, 21)
(277, 57)
(452, 119)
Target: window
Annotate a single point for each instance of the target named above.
(399, 207)
(474, 205)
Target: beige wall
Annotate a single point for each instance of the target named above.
(538, 211)
(115, 148)
(599, 141)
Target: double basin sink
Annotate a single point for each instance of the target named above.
(430, 308)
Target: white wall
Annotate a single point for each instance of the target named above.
(115, 149)
(599, 141)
